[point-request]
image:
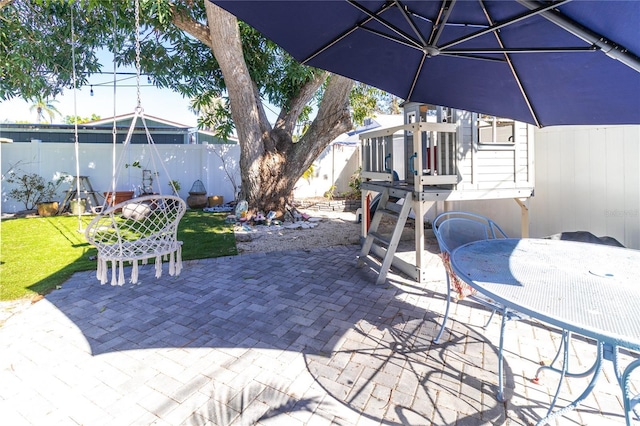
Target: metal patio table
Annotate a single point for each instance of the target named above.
(588, 289)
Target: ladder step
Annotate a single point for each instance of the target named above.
(394, 207)
(382, 238)
(388, 212)
(380, 256)
(374, 263)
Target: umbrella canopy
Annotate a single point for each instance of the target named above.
(545, 63)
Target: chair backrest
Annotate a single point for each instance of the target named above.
(135, 228)
(453, 229)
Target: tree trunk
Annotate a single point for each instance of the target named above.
(270, 162)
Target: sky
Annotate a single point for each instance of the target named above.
(155, 102)
(161, 103)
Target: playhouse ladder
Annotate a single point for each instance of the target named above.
(388, 244)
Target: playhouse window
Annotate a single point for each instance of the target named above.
(411, 118)
(448, 115)
(495, 130)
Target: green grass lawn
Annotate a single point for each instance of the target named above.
(37, 254)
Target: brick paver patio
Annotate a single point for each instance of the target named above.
(287, 338)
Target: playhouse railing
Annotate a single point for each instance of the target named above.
(429, 154)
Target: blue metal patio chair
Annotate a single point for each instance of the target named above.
(453, 229)
(631, 401)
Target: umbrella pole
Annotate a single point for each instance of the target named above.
(608, 47)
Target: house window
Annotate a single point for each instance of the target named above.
(495, 130)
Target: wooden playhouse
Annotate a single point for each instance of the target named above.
(440, 154)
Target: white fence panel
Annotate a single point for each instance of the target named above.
(217, 166)
(587, 179)
(333, 168)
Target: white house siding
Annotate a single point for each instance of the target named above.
(185, 163)
(493, 167)
(587, 178)
(524, 155)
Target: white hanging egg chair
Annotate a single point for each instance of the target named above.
(137, 230)
(143, 228)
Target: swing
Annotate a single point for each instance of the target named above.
(143, 228)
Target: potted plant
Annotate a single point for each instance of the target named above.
(175, 186)
(34, 192)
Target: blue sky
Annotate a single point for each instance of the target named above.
(162, 103)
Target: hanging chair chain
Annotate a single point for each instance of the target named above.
(114, 130)
(137, 14)
(139, 114)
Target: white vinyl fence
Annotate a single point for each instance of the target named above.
(587, 178)
(217, 166)
(332, 170)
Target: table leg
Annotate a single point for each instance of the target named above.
(566, 339)
(564, 347)
(437, 340)
(564, 371)
(507, 315)
(630, 401)
(596, 368)
(503, 324)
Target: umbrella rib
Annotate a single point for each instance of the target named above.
(439, 24)
(513, 69)
(346, 33)
(389, 37)
(525, 50)
(474, 57)
(331, 43)
(412, 24)
(495, 27)
(415, 77)
(376, 17)
(447, 24)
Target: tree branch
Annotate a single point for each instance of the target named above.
(333, 119)
(226, 44)
(189, 26)
(4, 3)
(288, 118)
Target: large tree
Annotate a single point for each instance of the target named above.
(271, 162)
(202, 51)
(36, 51)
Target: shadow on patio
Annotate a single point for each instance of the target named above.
(284, 338)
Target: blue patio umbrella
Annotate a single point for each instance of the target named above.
(545, 63)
